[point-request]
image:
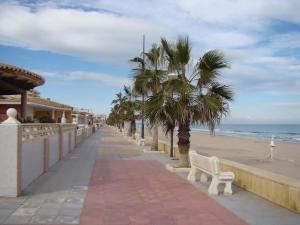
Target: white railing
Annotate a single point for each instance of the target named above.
(32, 131)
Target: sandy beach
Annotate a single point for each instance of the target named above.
(248, 151)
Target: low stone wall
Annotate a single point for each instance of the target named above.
(282, 190)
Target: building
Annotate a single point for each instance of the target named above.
(37, 109)
(82, 117)
(100, 118)
(17, 81)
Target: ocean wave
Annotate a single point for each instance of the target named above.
(291, 137)
(286, 133)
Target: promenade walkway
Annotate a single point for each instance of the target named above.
(109, 180)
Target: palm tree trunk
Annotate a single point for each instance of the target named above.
(184, 144)
(123, 125)
(129, 132)
(154, 146)
(172, 143)
(133, 128)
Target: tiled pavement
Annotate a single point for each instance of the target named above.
(126, 189)
(59, 207)
(128, 192)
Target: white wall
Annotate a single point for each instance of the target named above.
(32, 160)
(73, 139)
(8, 160)
(53, 149)
(66, 143)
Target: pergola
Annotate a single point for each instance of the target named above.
(15, 80)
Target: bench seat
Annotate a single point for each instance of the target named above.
(203, 166)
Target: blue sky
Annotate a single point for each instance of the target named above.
(82, 48)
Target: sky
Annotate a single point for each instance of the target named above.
(82, 48)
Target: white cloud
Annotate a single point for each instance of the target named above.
(294, 68)
(291, 105)
(99, 36)
(251, 79)
(286, 41)
(104, 78)
(242, 14)
(110, 32)
(111, 80)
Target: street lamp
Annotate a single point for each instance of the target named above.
(143, 95)
(172, 76)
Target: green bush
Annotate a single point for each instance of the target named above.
(46, 119)
(26, 120)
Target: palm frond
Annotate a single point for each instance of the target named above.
(209, 66)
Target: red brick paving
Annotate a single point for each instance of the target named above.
(129, 192)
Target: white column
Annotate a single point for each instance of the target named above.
(53, 114)
(9, 156)
(63, 118)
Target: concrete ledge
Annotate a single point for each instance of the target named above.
(279, 189)
(173, 169)
(152, 152)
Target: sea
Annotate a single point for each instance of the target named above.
(280, 132)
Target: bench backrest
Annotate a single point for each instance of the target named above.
(210, 165)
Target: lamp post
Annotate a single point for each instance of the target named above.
(172, 76)
(143, 96)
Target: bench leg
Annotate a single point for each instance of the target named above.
(203, 178)
(142, 142)
(137, 141)
(228, 189)
(213, 187)
(192, 177)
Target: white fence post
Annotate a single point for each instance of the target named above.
(10, 156)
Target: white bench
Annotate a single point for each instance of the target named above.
(203, 166)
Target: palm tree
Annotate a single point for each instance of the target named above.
(118, 110)
(165, 115)
(198, 96)
(149, 80)
(131, 106)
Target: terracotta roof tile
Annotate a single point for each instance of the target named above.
(22, 72)
(37, 100)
